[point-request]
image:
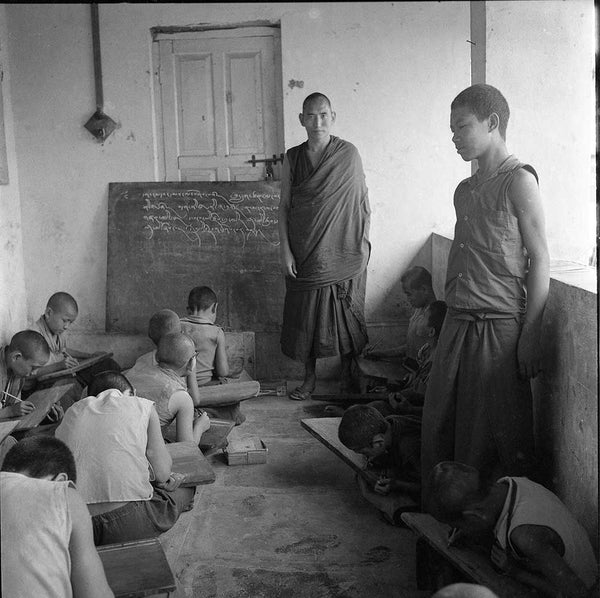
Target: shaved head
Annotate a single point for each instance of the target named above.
(165, 321)
(61, 301)
(175, 350)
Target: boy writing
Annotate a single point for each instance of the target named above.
(61, 311)
(164, 383)
(212, 366)
(410, 399)
(533, 537)
(392, 447)
(26, 352)
(417, 286)
(478, 403)
(43, 515)
(116, 438)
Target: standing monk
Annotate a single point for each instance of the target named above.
(323, 228)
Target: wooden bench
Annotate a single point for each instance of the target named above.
(189, 461)
(439, 565)
(325, 429)
(137, 569)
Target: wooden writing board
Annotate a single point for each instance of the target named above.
(166, 238)
(83, 363)
(43, 401)
(387, 370)
(325, 429)
(6, 427)
(473, 565)
(189, 461)
(137, 569)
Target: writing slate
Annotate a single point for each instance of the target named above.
(166, 238)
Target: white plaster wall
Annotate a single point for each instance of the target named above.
(541, 55)
(391, 70)
(13, 308)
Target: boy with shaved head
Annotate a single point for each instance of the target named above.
(26, 352)
(61, 311)
(164, 383)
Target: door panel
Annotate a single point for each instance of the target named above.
(219, 105)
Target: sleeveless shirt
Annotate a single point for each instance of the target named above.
(108, 435)
(156, 384)
(487, 265)
(35, 532)
(535, 505)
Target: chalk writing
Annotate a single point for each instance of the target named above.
(201, 216)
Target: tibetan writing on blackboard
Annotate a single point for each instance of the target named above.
(166, 238)
(207, 216)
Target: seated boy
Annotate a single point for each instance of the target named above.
(531, 534)
(166, 321)
(392, 446)
(61, 311)
(47, 543)
(417, 286)
(409, 400)
(26, 352)
(119, 449)
(164, 383)
(212, 366)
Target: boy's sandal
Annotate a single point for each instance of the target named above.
(300, 395)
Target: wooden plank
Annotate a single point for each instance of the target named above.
(217, 434)
(392, 371)
(137, 569)
(227, 394)
(71, 372)
(6, 427)
(43, 401)
(189, 461)
(325, 429)
(473, 565)
(351, 398)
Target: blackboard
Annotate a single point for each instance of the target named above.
(166, 238)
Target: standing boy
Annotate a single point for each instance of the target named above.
(323, 229)
(478, 404)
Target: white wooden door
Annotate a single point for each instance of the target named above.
(219, 103)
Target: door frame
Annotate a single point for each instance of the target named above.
(273, 31)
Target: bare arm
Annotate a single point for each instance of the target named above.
(535, 544)
(288, 263)
(156, 452)
(221, 361)
(182, 406)
(87, 573)
(525, 197)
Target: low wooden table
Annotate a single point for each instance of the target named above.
(72, 371)
(325, 429)
(471, 566)
(43, 401)
(137, 569)
(189, 460)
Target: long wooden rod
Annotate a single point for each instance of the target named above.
(97, 57)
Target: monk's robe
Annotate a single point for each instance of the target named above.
(328, 227)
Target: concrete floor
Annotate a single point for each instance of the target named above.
(296, 526)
